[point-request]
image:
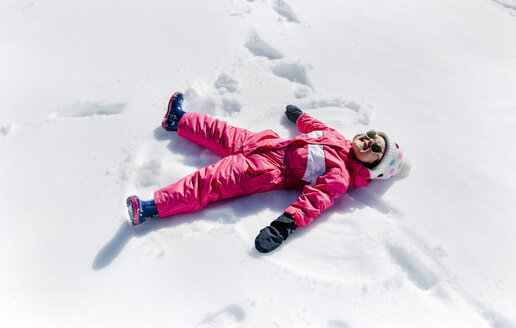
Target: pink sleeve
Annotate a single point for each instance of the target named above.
(319, 197)
(306, 124)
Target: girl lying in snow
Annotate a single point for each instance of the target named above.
(321, 162)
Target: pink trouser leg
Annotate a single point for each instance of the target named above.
(213, 133)
(234, 175)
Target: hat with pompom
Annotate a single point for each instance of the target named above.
(391, 163)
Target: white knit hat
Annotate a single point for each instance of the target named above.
(391, 163)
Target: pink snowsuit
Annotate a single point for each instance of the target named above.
(319, 162)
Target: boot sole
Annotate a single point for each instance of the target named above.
(132, 208)
(164, 123)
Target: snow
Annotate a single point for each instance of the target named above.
(84, 87)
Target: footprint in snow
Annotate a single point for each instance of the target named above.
(259, 47)
(293, 72)
(417, 272)
(284, 10)
(509, 4)
(496, 320)
(88, 108)
(5, 129)
(226, 83)
(229, 317)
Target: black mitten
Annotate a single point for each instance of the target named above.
(272, 236)
(293, 112)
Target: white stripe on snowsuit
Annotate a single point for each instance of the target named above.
(316, 163)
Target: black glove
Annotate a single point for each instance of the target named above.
(272, 236)
(293, 112)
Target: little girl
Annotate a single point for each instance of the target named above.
(320, 162)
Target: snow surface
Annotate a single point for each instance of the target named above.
(84, 86)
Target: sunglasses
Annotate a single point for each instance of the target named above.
(376, 147)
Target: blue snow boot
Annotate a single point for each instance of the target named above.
(174, 112)
(139, 210)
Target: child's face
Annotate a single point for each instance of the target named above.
(362, 148)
